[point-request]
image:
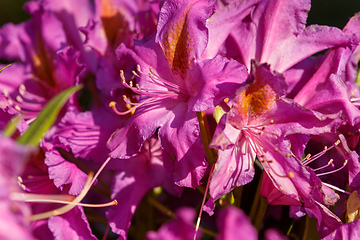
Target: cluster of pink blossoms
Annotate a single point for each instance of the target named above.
(235, 108)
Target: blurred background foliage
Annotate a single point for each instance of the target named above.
(324, 12)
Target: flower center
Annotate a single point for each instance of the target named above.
(160, 89)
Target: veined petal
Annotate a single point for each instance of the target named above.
(64, 172)
(211, 81)
(222, 22)
(181, 138)
(235, 167)
(346, 231)
(332, 97)
(327, 221)
(280, 25)
(127, 141)
(312, 40)
(72, 224)
(182, 33)
(86, 133)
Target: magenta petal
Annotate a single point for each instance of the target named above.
(350, 231)
(10, 44)
(13, 224)
(137, 176)
(276, 34)
(222, 22)
(211, 81)
(181, 138)
(14, 219)
(127, 141)
(181, 31)
(180, 228)
(86, 133)
(353, 26)
(272, 234)
(64, 172)
(233, 168)
(331, 98)
(314, 39)
(327, 221)
(273, 195)
(234, 224)
(67, 68)
(71, 225)
(73, 13)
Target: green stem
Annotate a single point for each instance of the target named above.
(171, 214)
(310, 230)
(161, 207)
(11, 126)
(258, 207)
(260, 213)
(206, 137)
(290, 228)
(238, 193)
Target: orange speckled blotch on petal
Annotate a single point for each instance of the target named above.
(114, 23)
(178, 45)
(108, 9)
(260, 99)
(255, 101)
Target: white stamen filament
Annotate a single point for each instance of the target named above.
(336, 188)
(255, 145)
(69, 200)
(66, 208)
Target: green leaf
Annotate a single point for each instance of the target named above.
(11, 126)
(46, 118)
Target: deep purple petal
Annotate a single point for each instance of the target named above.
(67, 68)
